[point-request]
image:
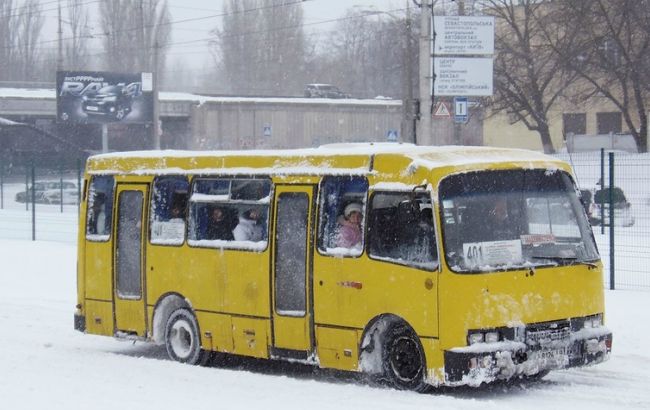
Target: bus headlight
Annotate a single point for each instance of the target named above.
(491, 337)
(593, 321)
(481, 336)
(474, 338)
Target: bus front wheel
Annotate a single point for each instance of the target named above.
(403, 364)
(183, 340)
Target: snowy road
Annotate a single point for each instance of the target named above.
(45, 364)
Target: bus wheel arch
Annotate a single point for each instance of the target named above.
(164, 308)
(391, 351)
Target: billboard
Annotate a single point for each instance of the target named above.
(93, 97)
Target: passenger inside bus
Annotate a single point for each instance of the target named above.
(98, 217)
(349, 230)
(219, 226)
(248, 228)
(498, 221)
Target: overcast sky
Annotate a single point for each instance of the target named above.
(192, 35)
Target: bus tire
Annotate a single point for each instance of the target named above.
(183, 340)
(403, 363)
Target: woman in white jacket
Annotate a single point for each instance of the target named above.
(248, 228)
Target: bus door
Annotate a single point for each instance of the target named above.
(128, 283)
(292, 271)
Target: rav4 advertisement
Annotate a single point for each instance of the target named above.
(103, 97)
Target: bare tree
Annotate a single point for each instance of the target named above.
(261, 47)
(133, 30)
(613, 38)
(367, 54)
(76, 49)
(529, 77)
(30, 23)
(8, 30)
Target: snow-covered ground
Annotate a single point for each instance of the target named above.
(45, 364)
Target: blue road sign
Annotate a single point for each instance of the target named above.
(461, 113)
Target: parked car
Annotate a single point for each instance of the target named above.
(49, 192)
(112, 101)
(622, 208)
(324, 91)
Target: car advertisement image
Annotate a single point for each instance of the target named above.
(104, 97)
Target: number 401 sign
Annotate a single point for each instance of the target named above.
(492, 253)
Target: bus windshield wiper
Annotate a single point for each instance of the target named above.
(568, 260)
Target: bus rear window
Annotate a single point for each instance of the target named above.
(498, 220)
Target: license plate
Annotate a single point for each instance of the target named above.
(554, 357)
(92, 108)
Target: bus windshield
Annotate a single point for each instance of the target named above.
(499, 220)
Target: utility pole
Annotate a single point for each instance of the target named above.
(408, 114)
(155, 127)
(425, 74)
(59, 59)
(457, 125)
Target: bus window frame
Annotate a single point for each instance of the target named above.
(185, 216)
(409, 264)
(319, 234)
(227, 244)
(94, 237)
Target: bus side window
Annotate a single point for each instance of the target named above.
(229, 209)
(168, 209)
(400, 229)
(341, 230)
(99, 212)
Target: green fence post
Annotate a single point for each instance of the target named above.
(2, 186)
(61, 185)
(33, 203)
(602, 186)
(78, 185)
(612, 253)
(26, 187)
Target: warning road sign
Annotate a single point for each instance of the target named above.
(441, 110)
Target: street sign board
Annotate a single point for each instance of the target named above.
(463, 76)
(461, 114)
(266, 130)
(462, 35)
(391, 135)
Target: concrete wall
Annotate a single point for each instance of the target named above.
(285, 124)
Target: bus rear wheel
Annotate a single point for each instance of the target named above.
(183, 340)
(403, 364)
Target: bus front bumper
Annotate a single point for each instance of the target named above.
(487, 362)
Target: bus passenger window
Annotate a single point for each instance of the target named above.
(168, 208)
(229, 212)
(99, 213)
(342, 220)
(400, 229)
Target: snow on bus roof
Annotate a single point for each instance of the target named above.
(429, 157)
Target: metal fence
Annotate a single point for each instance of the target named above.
(50, 212)
(39, 203)
(620, 181)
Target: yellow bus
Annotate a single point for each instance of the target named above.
(420, 266)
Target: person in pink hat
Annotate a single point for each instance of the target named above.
(349, 232)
